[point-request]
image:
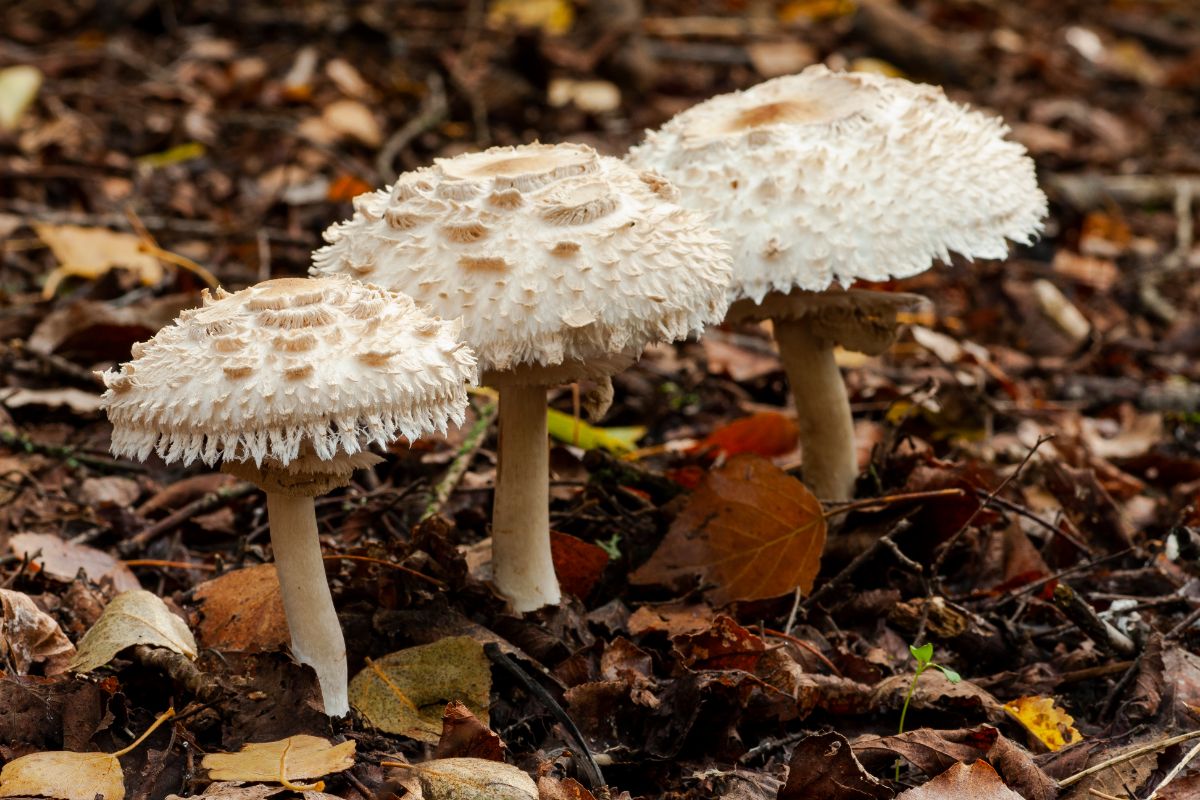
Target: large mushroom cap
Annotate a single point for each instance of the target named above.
(826, 177)
(560, 261)
(290, 370)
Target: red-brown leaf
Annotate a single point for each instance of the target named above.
(751, 530)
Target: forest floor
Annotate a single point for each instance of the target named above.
(1047, 409)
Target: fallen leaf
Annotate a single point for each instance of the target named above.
(67, 776)
(823, 765)
(772, 59)
(750, 529)
(578, 564)
(977, 781)
(110, 490)
(90, 253)
(767, 434)
(726, 645)
(294, 758)
(463, 735)
(61, 560)
(345, 188)
(1061, 311)
(470, 779)
(76, 400)
(97, 331)
(551, 16)
(352, 118)
(179, 154)
(18, 88)
(242, 611)
(406, 691)
(570, 430)
(30, 636)
(594, 97)
(1048, 723)
(742, 364)
(552, 788)
(136, 617)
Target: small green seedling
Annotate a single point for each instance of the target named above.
(924, 657)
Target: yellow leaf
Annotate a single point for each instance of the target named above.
(135, 617)
(803, 10)
(407, 691)
(67, 776)
(18, 87)
(1052, 726)
(92, 252)
(551, 16)
(566, 428)
(876, 66)
(175, 155)
(282, 761)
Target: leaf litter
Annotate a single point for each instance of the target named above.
(221, 138)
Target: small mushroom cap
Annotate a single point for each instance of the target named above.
(562, 263)
(295, 371)
(827, 177)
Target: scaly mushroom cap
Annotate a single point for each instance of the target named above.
(552, 254)
(286, 371)
(827, 177)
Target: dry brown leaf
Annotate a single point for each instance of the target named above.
(67, 776)
(137, 617)
(469, 779)
(29, 635)
(750, 529)
(405, 692)
(767, 434)
(62, 560)
(243, 611)
(294, 758)
(977, 781)
(91, 252)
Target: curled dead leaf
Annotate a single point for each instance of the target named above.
(137, 617)
(29, 636)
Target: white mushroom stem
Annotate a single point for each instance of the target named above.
(521, 564)
(822, 410)
(316, 633)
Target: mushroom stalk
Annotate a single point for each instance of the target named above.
(822, 410)
(523, 568)
(316, 633)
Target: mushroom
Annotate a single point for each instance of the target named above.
(289, 382)
(563, 264)
(822, 179)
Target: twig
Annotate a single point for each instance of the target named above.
(1087, 620)
(588, 766)
(891, 499)
(53, 363)
(462, 459)
(1021, 510)
(183, 673)
(1182, 627)
(1174, 773)
(1088, 191)
(848, 571)
(202, 505)
(381, 562)
(433, 110)
(1128, 756)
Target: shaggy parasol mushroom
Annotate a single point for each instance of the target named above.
(289, 382)
(563, 264)
(822, 179)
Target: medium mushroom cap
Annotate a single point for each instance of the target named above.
(562, 263)
(289, 372)
(827, 177)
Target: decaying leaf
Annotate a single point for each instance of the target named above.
(977, 781)
(29, 636)
(767, 433)
(463, 735)
(823, 765)
(751, 530)
(91, 252)
(1048, 723)
(570, 430)
(552, 16)
(294, 758)
(67, 776)
(137, 617)
(469, 779)
(18, 88)
(578, 564)
(405, 692)
(243, 611)
(62, 560)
